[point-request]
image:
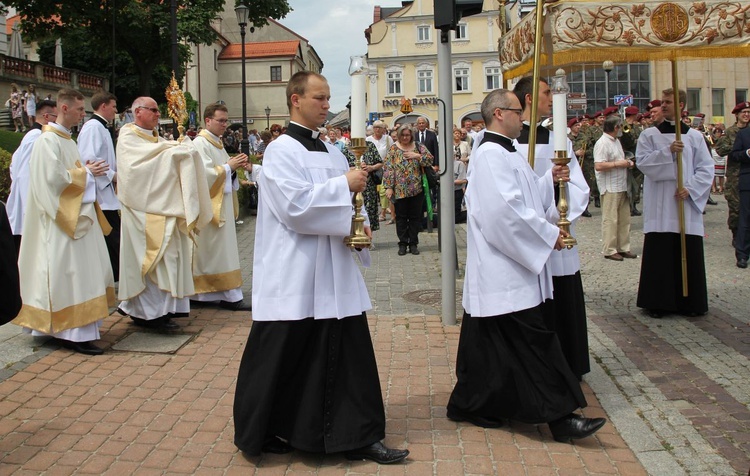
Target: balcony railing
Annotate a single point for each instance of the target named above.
(15, 69)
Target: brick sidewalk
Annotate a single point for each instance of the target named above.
(145, 413)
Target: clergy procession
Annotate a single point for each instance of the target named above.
(158, 219)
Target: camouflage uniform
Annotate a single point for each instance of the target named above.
(629, 142)
(731, 177)
(592, 134)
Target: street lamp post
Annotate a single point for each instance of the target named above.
(242, 11)
(608, 66)
(268, 117)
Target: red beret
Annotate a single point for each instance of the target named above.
(701, 115)
(654, 103)
(631, 111)
(740, 106)
(574, 121)
(646, 115)
(597, 114)
(586, 116)
(610, 110)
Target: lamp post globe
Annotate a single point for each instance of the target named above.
(607, 66)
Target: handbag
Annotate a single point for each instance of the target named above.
(432, 177)
(377, 176)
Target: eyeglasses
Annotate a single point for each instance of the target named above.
(517, 111)
(220, 121)
(152, 109)
(49, 114)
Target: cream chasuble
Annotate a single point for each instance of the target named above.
(216, 262)
(164, 197)
(66, 278)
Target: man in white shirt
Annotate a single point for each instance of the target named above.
(308, 378)
(96, 143)
(509, 364)
(19, 169)
(612, 180)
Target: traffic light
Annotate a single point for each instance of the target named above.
(449, 12)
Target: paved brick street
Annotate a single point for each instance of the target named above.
(676, 390)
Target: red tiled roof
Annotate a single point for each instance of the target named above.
(9, 22)
(261, 49)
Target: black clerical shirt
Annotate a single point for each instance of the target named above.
(666, 127)
(306, 137)
(542, 134)
(496, 138)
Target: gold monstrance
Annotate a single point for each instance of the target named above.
(176, 106)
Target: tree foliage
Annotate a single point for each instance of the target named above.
(142, 35)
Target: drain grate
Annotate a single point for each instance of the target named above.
(429, 297)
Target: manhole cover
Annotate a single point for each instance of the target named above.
(429, 297)
(152, 343)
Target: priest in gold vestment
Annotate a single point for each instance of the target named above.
(67, 284)
(164, 197)
(216, 263)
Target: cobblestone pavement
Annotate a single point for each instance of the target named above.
(676, 390)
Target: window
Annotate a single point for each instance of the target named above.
(624, 79)
(693, 101)
(461, 32)
(462, 79)
(423, 33)
(424, 81)
(740, 95)
(717, 102)
(493, 78)
(393, 79)
(275, 73)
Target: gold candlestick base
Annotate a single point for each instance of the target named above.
(561, 158)
(358, 239)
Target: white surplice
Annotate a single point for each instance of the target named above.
(216, 261)
(19, 175)
(659, 167)
(566, 261)
(94, 144)
(67, 284)
(509, 239)
(301, 267)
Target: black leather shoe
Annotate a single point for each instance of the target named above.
(413, 249)
(240, 305)
(81, 347)
(199, 303)
(476, 420)
(379, 453)
(635, 213)
(597, 202)
(711, 201)
(655, 313)
(574, 427)
(163, 323)
(742, 263)
(276, 446)
(586, 213)
(401, 250)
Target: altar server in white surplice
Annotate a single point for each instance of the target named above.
(66, 279)
(216, 263)
(96, 142)
(308, 378)
(164, 197)
(19, 169)
(509, 364)
(660, 285)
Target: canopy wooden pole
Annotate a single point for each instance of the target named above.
(680, 203)
(534, 118)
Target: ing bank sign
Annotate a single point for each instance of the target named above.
(424, 101)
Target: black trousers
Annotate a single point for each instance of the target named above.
(458, 197)
(742, 240)
(409, 219)
(113, 241)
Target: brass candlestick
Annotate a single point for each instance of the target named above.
(561, 158)
(358, 239)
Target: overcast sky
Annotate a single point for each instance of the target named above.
(335, 28)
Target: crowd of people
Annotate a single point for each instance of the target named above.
(127, 205)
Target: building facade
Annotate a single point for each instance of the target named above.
(402, 56)
(273, 53)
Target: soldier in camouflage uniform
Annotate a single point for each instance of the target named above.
(723, 148)
(591, 135)
(629, 141)
(577, 137)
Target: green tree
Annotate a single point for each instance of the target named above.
(141, 30)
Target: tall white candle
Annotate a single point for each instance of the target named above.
(357, 111)
(560, 120)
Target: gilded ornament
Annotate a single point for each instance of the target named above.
(669, 22)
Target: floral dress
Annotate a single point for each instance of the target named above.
(15, 105)
(372, 199)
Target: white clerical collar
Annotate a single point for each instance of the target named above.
(528, 123)
(102, 117)
(213, 136)
(669, 122)
(59, 127)
(314, 133)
